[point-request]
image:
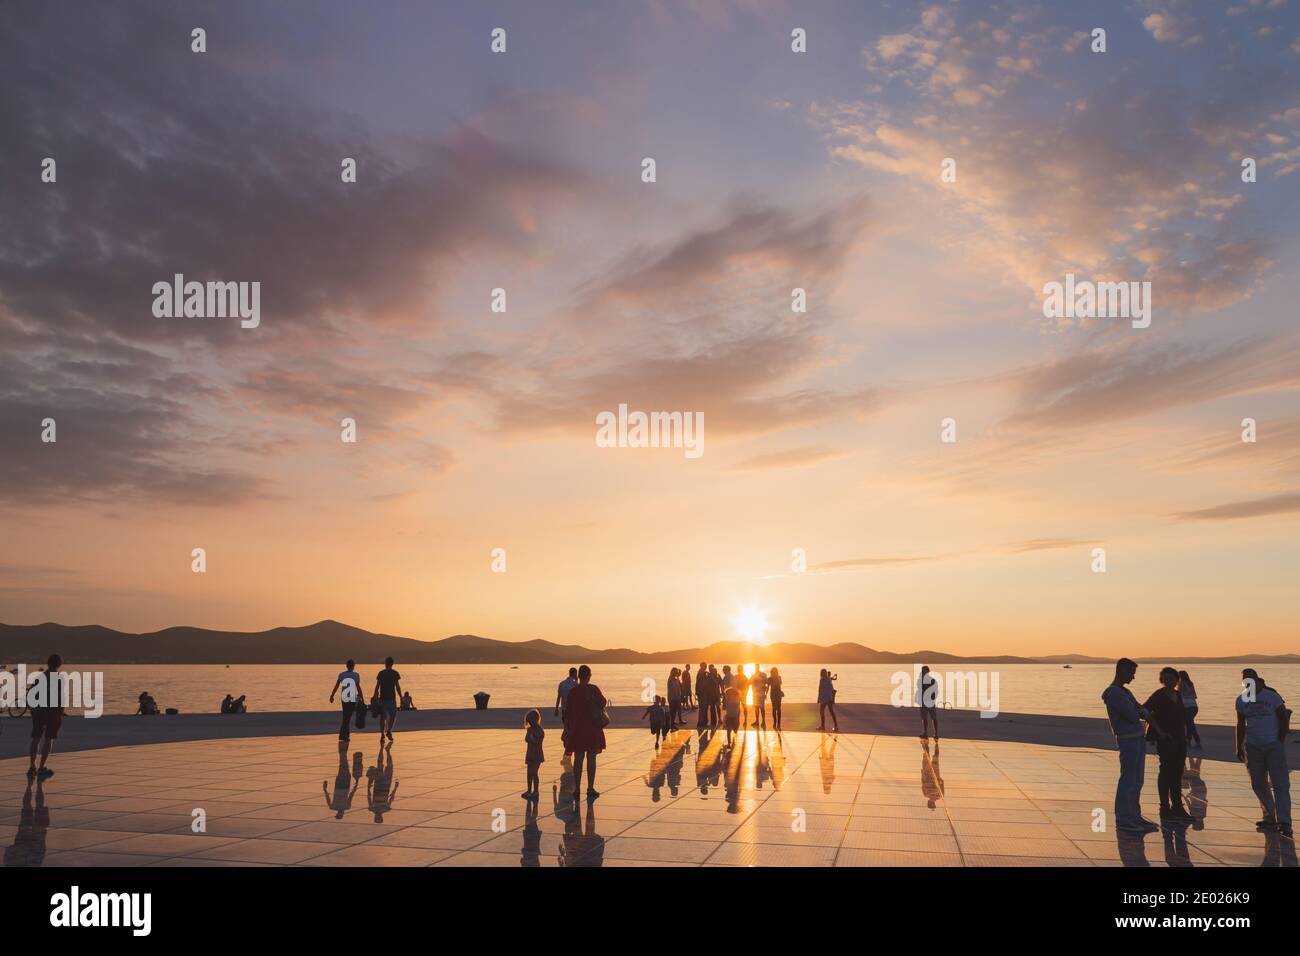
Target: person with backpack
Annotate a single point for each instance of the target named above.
(349, 681)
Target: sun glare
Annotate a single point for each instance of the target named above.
(751, 623)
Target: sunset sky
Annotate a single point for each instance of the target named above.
(775, 170)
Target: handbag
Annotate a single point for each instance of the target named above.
(360, 712)
(602, 715)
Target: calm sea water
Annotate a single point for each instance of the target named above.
(1022, 688)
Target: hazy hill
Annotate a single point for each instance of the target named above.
(329, 642)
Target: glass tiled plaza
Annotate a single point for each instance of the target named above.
(452, 798)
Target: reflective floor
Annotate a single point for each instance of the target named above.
(452, 798)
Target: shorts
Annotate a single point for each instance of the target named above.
(389, 709)
(46, 722)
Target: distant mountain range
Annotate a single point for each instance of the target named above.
(331, 642)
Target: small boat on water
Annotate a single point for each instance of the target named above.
(1068, 666)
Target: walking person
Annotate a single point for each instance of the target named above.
(776, 693)
(658, 715)
(1263, 722)
(388, 686)
(1167, 728)
(562, 703)
(585, 734)
(47, 718)
(349, 681)
(1126, 716)
(533, 755)
(927, 698)
(826, 699)
(1187, 690)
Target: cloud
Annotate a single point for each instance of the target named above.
(1011, 548)
(171, 163)
(755, 239)
(1127, 381)
(790, 458)
(1252, 508)
(1122, 176)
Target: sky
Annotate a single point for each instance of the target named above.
(774, 170)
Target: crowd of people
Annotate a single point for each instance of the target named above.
(1168, 719)
(737, 700)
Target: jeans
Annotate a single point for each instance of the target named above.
(1192, 732)
(1173, 756)
(1132, 774)
(1267, 763)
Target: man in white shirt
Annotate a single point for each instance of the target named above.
(1262, 725)
(562, 700)
(349, 682)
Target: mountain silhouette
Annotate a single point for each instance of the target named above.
(333, 642)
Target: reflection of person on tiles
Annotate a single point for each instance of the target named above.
(341, 802)
(827, 758)
(378, 792)
(931, 781)
(29, 841)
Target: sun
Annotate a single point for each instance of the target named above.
(751, 623)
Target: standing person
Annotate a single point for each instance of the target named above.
(1167, 727)
(674, 699)
(658, 715)
(1262, 725)
(1126, 716)
(533, 754)
(702, 696)
(688, 701)
(826, 699)
(927, 698)
(585, 734)
(742, 687)
(350, 681)
(562, 703)
(388, 685)
(715, 696)
(731, 718)
(1187, 690)
(774, 688)
(759, 687)
(48, 717)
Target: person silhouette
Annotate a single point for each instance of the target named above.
(1126, 715)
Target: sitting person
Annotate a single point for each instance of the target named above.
(238, 706)
(407, 703)
(148, 706)
(227, 704)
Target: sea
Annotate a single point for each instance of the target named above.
(1019, 688)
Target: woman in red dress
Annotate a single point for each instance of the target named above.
(584, 734)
